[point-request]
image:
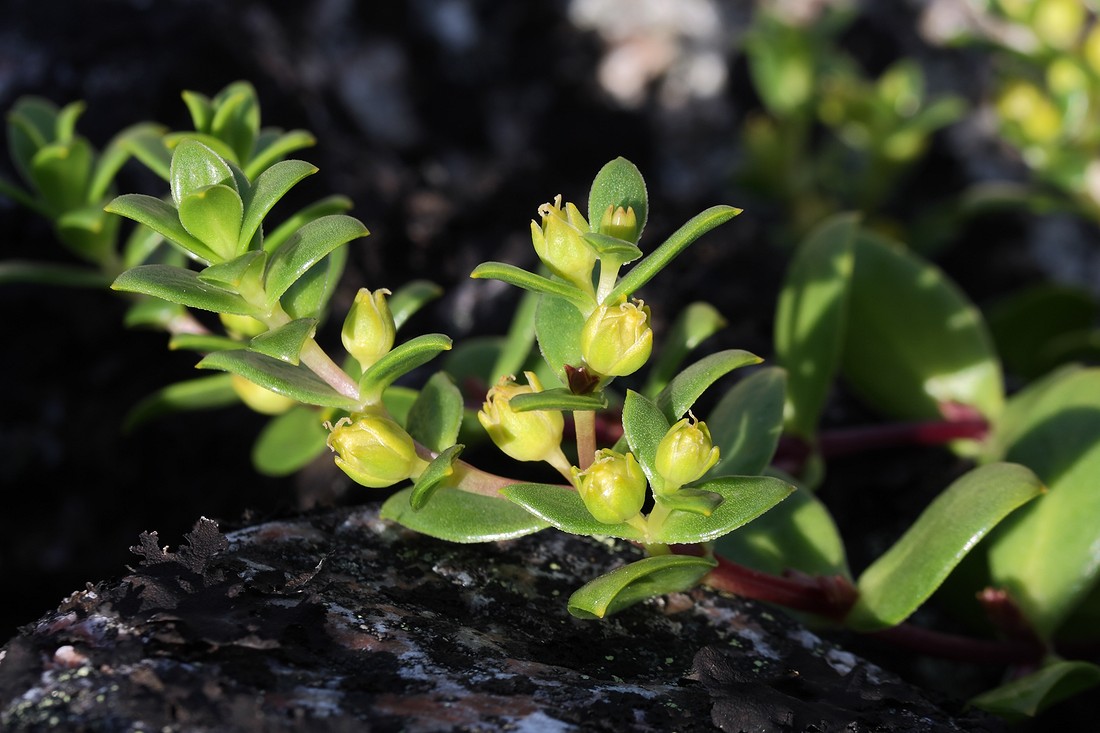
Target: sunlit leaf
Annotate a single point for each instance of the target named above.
(296, 382)
(744, 498)
(693, 325)
(558, 326)
(563, 508)
(557, 399)
(410, 298)
(747, 422)
(1030, 695)
(400, 361)
(687, 386)
(629, 584)
(213, 216)
(285, 343)
(177, 285)
(436, 416)
(306, 247)
(618, 183)
(195, 166)
(459, 516)
(530, 281)
(644, 425)
(434, 477)
(267, 189)
(204, 393)
(162, 218)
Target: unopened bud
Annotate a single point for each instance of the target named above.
(685, 454)
(620, 223)
(526, 436)
(260, 399)
(374, 450)
(369, 331)
(613, 487)
(560, 244)
(616, 339)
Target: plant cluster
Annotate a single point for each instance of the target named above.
(707, 496)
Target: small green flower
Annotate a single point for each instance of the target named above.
(684, 454)
(374, 450)
(616, 339)
(613, 487)
(526, 436)
(369, 330)
(620, 223)
(559, 243)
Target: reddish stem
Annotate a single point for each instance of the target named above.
(961, 648)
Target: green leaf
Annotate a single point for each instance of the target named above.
(289, 442)
(558, 326)
(625, 586)
(115, 155)
(432, 478)
(694, 324)
(213, 216)
(65, 126)
(231, 274)
(152, 313)
(618, 183)
(436, 416)
(530, 281)
(273, 145)
(31, 124)
(61, 173)
(810, 317)
(204, 393)
(200, 109)
(305, 248)
(913, 341)
(687, 386)
(309, 296)
(202, 342)
(90, 233)
(237, 118)
(645, 270)
(1046, 554)
(146, 143)
(797, 534)
(1028, 696)
(644, 426)
(285, 343)
(164, 220)
(400, 361)
(325, 207)
(177, 285)
(558, 398)
(194, 167)
(690, 500)
(459, 516)
(42, 273)
(1027, 324)
(519, 342)
(410, 298)
(899, 581)
(295, 382)
(563, 508)
(744, 498)
(747, 422)
(268, 188)
(612, 248)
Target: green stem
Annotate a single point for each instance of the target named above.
(316, 359)
(609, 273)
(584, 421)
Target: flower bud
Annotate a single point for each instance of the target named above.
(613, 487)
(1025, 108)
(260, 399)
(616, 339)
(369, 331)
(620, 223)
(373, 450)
(525, 436)
(242, 327)
(560, 244)
(685, 454)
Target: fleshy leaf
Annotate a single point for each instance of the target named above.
(267, 189)
(202, 342)
(162, 218)
(400, 361)
(61, 172)
(644, 425)
(204, 393)
(459, 516)
(44, 273)
(563, 508)
(1047, 554)
(687, 386)
(213, 216)
(618, 183)
(901, 579)
(645, 270)
(325, 207)
(410, 298)
(436, 416)
(913, 341)
(274, 145)
(194, 167)
(744, 498)
(558, 326)
(310, 294)
(747, 422)
(810, 317)
(694, 324)
(1028, 696)
(519, 342)
(625, 586)
(1028, 325)
(296, 382)
(433, 477)
(690, 500)
(285, 343)
(177, 285)
(612, 248)
(305, 248)
(558, 398)
(289, 442)
(530, 281)
(231, 273)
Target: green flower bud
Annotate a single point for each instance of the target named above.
(685, 454)
(369, 331)
(620, 223)
(242, 327)
(260, 399)
(525, 436)
(613, 487)
(374, 450)
(616, 339)
(560, 244)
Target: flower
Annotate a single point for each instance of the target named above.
(620, 223)
(369, 330)
(684, 454)
(559, 243)
(374, 450)
(526, 436)
(613, 487)
(616, 339)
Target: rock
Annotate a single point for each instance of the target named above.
(342, 621)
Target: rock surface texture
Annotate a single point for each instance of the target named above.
(342, 621)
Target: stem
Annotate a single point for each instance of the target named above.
(584, 422)
(561, 464)
(609, 273)
(961, 648)
(932, 432)
(321, 364)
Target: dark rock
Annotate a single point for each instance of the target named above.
(341, 621)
